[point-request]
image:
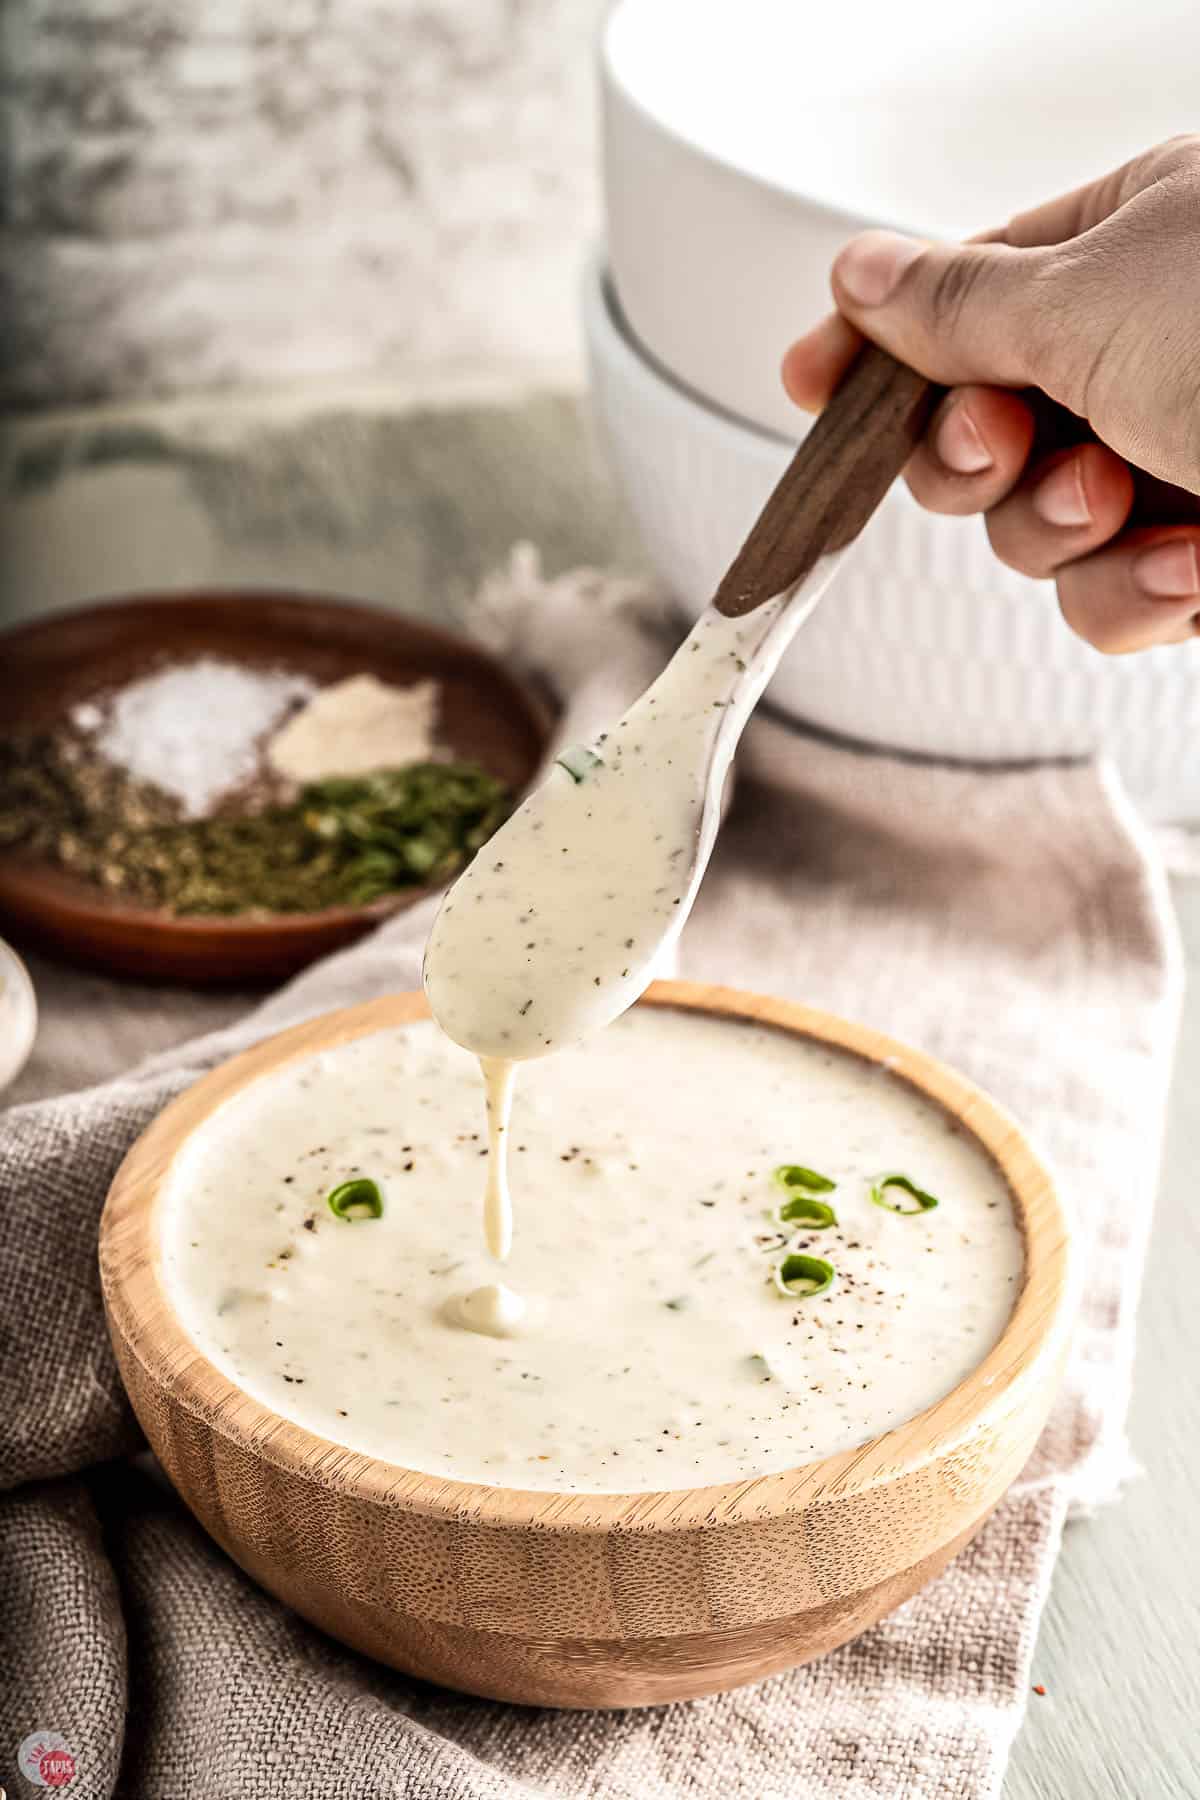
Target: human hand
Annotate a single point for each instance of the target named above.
(1070, 341)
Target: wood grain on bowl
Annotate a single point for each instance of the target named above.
(49, 665)
(586, 1600)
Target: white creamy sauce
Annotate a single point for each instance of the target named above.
(557, 924)
(658, 1352)
(493, 1308)
(499, 1078)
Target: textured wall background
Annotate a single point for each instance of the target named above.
(197, 192)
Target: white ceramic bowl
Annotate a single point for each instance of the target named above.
(746, 140)
(925, 642)
(18, 1015)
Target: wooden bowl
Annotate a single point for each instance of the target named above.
(52, 663)
(577, 1600)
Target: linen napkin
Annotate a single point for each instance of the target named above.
(1014, 922)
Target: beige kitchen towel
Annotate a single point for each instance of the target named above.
(1013, 922)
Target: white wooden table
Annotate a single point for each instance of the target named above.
(1119, 1651)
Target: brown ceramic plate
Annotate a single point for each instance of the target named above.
(51, 664)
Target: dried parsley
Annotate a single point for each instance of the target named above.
(342, 842)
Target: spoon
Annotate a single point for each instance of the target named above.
(559, 922)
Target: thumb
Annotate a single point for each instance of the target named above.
(955, 312)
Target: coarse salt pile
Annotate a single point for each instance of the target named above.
(193, 729)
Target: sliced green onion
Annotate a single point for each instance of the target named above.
(803, 1277)
(794, 1175)
(357, 1199)
(801, 1210)
(579, 761)
(925, 1202)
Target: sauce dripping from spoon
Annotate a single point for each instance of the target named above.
(499, 1077)
(558, 924)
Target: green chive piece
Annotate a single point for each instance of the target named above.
(925, 1202)
(794, 1175)
(579, 761)
(357, 1199)
(803, 1277)
(801, 1210)
(678, 1304)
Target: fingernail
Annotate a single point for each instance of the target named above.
(1168, 571)
(1059, 499)
(958, 442)
(872, 264)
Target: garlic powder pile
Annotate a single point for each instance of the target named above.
(356, 726)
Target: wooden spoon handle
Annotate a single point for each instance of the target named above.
(834, 482)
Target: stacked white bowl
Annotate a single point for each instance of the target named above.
(745, 140)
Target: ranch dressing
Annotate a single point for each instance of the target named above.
(663, 1355)
(556, 926)
(498, 1080)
